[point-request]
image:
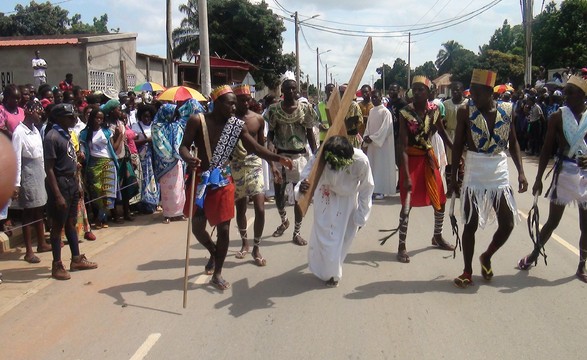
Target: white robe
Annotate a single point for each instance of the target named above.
(381, 151)
(342, 203)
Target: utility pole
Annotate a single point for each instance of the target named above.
(318, 73)
(527, 14)
(297, 22)
(206, 80)
(169, 26)
(326, 75)
(383, 76)
(409, 53)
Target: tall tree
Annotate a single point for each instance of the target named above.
(396, 74)
(509, 67)
(559, 35)
(464, 63)
(238, 30)
(445, 59)
(47, 19)
(507, 39)
(427, 69)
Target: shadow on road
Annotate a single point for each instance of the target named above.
(506, 284)
(288, 284)
(373, 258)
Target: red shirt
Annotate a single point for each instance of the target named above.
(9, 120)
(64, 86)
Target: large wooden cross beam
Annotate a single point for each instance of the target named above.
(337, 109)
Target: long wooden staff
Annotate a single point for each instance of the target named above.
(189, 232)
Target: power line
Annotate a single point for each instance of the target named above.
(405, 28)
(425, 30)
(56, 3)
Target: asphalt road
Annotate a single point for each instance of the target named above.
(131, 306)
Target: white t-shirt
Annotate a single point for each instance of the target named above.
(132, 117)
(99, 147)
(137, 129)
(39, 72)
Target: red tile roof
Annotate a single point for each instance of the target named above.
(37, 42)
(216, 62)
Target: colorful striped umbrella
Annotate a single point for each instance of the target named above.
(500, 89)
(149, 86)
(181, 93)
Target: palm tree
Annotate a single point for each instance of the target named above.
(444, 59)
(186, 38)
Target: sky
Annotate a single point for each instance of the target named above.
(395, 18)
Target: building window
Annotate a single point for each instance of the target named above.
(131, 82)
(5, 78)
(101, 80)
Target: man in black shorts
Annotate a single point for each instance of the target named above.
(62, 190)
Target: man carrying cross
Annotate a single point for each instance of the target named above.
(215, 135)
(567, 129)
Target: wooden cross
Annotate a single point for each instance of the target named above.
(336, 110)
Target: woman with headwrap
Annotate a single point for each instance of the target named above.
(167, 131)
(101, 166)
(144, 142)
(126, 176)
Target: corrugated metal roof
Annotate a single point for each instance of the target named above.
(37, 42)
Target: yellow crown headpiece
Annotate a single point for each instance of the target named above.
(578, 82)
(421, 79)
(484, 77)
(219, 91)
(241, 89)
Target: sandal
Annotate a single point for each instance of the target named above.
(241, 254)
(299, 240)
(220, 284)
(209, 268)
(260, 261)
(281, 228)
(524, 264)
(463, 281)
(332, 283)
(403, 257)
(166, 220)
(486, 272)
(32, 259)
(442, 244)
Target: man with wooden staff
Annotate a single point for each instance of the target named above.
(215, 135)
(567, 129)
(419, 171)
(485, 128)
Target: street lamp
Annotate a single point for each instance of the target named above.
(298, 22)
(333, 66)
(318, 70)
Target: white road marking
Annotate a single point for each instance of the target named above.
(146, 347)
(559, 239)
